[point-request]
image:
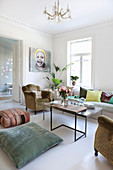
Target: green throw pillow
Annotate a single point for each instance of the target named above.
(26, 142)
(83, 92)
(93, 96)
(111, 101)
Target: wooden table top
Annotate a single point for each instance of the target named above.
(69, 107)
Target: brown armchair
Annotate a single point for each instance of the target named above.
(104, 138)
(32, 101)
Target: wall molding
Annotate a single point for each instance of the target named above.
(21, 24)
(100, 24)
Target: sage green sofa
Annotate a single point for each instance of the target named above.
(106, 107)
(32, 100)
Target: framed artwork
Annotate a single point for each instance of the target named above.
(39, 60)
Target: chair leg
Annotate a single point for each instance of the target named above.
(26, 108)
(96, 152)
(35, 112)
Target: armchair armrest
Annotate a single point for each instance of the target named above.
(105, 122)
(30, 99)
(46, 94)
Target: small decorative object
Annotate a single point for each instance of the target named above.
(74, 78)
(39, 60)
(58, 13)
(64, 91)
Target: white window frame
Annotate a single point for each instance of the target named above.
(81, 56)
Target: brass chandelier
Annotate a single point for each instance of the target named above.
(58, 14)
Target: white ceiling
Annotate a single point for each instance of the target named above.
(84, 13)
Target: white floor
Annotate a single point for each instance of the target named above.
(69, 155)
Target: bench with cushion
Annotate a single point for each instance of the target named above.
(13, 117)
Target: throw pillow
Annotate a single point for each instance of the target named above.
(30, 142)
(111, 101)
(38, 94)
(93, 96)
(105, 97)
(83, 92)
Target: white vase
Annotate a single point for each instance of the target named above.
(55, 94)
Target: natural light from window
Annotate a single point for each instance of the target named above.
(81, 56)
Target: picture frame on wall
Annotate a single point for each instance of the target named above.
(39, 60)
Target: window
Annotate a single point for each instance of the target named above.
(81, 55)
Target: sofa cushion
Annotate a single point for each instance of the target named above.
(13, 117)
(105, 97)
(111, 101)
(38, 94)
(30, 142)
(93, 96)
(83, 92)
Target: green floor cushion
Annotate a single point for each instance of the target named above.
(26, 142)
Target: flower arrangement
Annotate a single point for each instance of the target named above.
(63, 91)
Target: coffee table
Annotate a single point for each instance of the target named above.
(77, 111)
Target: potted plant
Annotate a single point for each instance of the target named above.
(73, 79)
(54, 78)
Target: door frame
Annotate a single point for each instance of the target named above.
(22, 58)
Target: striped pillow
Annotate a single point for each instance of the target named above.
(13, 117)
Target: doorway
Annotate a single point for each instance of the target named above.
(10, 76)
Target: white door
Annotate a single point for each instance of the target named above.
(17, 70)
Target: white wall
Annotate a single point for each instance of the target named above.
(102, 35)
(102, 50)
(31, 38)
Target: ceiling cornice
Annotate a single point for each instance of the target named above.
(22, 24)
(100, 24)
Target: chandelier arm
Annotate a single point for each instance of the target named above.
(64, 14)
(50, 14)
(52, 18)
(66, 17)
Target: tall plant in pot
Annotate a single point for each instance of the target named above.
(54, 77)
(73, 79)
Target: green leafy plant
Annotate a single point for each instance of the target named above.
(74, 78)
(54, 77)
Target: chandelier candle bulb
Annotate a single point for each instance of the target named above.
(67, 7)
(55, 5)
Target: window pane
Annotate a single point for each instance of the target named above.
(81, 53)
(81, 47)
(86, 71)
(75, 68)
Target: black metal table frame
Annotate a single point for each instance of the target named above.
(75, 129)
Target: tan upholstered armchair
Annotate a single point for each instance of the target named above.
(33, 99)
(104, 138)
